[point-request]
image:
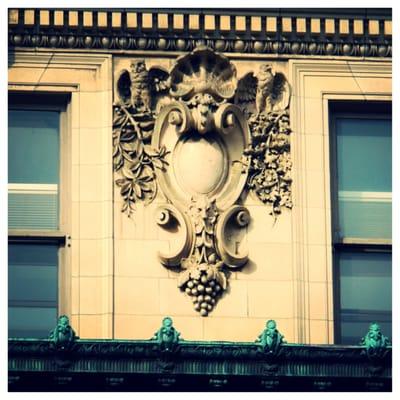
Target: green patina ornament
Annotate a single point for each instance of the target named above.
(270, 339)
(63, 335)
(374, 340)
(167, 336)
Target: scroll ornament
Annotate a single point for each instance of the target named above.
(202, 136)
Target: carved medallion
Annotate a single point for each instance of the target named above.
(202, 137)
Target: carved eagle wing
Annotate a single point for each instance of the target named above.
(280, 93)
(124, 86)
(246, 89)
(159, 85)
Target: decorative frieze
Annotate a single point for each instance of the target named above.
(268, 32)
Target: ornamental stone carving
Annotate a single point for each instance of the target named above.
(203, 137)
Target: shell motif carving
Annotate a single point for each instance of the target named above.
(202, 136)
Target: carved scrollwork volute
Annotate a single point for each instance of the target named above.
(170, 218)
(204, 138)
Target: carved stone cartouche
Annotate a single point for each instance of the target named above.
(202, 136)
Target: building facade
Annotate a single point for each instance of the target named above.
(229, 169)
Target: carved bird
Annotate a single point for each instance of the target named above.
(268, 90)
(265, 83)
(140, 87)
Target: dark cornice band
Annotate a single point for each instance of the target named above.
(231, 31)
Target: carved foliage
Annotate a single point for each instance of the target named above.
(167, 337)
(375, 348)
(265, 99)
(63, 336)
(203, 277)
(270, 340)
(133, 124)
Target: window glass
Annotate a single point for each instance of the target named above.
(33, 169)
(32, 289)
(33, 146)
(364, 165)
(365, 281)
(31, 322)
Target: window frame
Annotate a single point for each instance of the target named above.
(60, 102)
(348, 244)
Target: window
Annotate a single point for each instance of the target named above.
(35, 234)
(361, 198)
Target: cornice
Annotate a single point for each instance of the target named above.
(269, 32)
(293, 367)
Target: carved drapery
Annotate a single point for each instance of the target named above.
(202, 137)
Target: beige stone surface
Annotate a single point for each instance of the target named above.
(162, 21)
(271, 24)
(178, 21)
(264, 229)
(95, 219)
(358, 27)
(29, 17)
(172, 301)
(234, 303)
(240, 23)
(87, 18)
(301, 25)
(316, 196)
(73, 18)
(194, 22)
(225, 22)
(75, 295)
(92, 326)
(344, 27)
(270, 300)
(268, 261)
(138, 296)
(147, 20)
(286, 24)
(317, 263)
(234, 329)
(75, 254)
(13, 17)
(44, 16)
(318, 293)
(136, 326)
(209, 22)
(330, 26)
(387, 27)
(255, 24)
(138, 258)
(93, 254)
(373, 27)
(131, 20)
(75, 220)
(116, 19)
(319, 331)
(316, 25)
(316, 225)
(58, 18)
(91, 294)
